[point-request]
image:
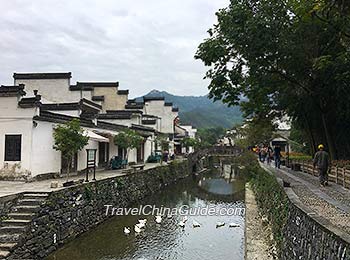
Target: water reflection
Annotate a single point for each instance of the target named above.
(168, 240)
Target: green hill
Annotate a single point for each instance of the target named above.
(200, 111)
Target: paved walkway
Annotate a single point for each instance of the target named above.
(13, 187)
(331, 202)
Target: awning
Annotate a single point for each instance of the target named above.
(95, 137)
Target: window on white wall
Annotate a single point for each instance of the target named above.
(13, 147)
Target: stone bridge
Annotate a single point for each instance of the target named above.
(195, 159)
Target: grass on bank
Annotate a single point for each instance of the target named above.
(270, 196)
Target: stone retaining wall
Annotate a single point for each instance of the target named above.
(72, 211)
(309, 236)
(304, 234)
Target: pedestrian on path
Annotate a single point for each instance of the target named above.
(269, 155)
(277, 156)
(322, 162)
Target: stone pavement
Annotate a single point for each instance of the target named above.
(331, 202)
(14, 187)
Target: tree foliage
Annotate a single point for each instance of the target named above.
(189, 142)
(69, 138)
(286, 57)
(208, 136)
(128, 139)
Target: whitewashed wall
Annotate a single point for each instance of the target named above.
(45, 159)
(52, 90)
(15, 120)
(149, 148)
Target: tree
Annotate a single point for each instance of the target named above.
(128, 139)
(188, 142)
(161, 141)
(69, 138)
(286, 58)
(208, 136)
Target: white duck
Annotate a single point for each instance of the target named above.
(233, 225)
(220, 224)
(126, 230)
(182, 224)
(158, 219)
(137, 229)
(143, 221)
(196, 224)
(140, 225)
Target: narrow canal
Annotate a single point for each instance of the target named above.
(222, 190)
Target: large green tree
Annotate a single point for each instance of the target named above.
(128, 139)
(69, 138)
(286, 57)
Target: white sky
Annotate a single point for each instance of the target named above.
(143, 44)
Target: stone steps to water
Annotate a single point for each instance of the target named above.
(10, 238)
(34, 195)
(26, 208)
(15, 222)
(21, 216)
(12, 229)
(31, 201)
(7, 246)
(4, 253)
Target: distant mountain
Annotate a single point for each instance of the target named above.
(200, 111)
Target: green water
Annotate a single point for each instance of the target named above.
(167, 240)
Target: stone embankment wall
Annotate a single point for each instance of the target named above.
(309, 236)
(69, 212)
(299, 233)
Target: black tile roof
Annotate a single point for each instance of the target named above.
(153, 98)
(175, 109)
(60, 75)
(98, 84)
(150, 116)
(59, 118)
(114, 116)
(119, 114)
(88, 86)
(61, 106)
(83, 103)
(149, 121)
(30, 102)
(124, 111)
(12, 91)
(98, 98)
(168, 104)
(123, 92)
(144, 130)
(129, 106)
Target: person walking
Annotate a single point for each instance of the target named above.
(269, 155)
(322, 162)
(277, 156)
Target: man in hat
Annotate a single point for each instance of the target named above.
(322, 162)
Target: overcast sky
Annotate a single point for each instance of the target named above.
(143, 44)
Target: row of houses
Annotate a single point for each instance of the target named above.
(32, 107)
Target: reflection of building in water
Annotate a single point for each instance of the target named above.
(229, 172)
(217, 186)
